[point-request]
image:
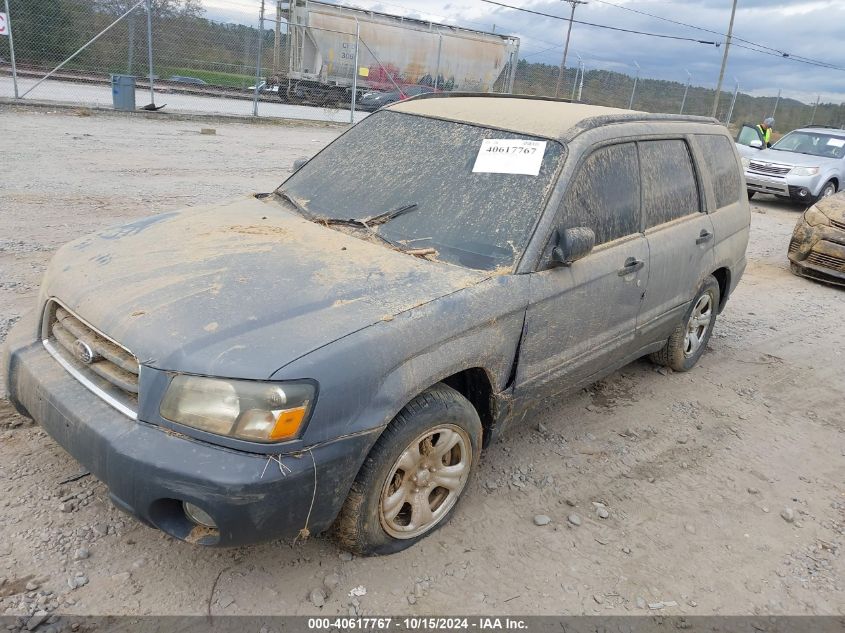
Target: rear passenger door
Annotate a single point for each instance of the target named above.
(729, 210)
(679, 232)
(582, 318)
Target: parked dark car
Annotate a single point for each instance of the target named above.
(335, 354)
(817, 247)
(371, 101)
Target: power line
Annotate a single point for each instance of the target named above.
(760, 48)
(604, 26)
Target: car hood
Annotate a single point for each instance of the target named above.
(240, 289)
(789, 158)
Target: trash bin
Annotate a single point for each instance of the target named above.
(123, 92)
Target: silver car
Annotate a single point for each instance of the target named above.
(806, 165)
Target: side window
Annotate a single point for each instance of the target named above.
(724, 171)
(670, 190)
(747, 135)
(605, 194)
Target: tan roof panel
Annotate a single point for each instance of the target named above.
(527, 116)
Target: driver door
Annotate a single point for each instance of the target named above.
(582, 318)
(749, 141)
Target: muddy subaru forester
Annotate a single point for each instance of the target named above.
(332, 356)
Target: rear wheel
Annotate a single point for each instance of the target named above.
(413, 477)
(690, 338)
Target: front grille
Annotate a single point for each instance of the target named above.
(768, 168)
(793, 245)
(838, 225)
(827, 261)
(106, 368)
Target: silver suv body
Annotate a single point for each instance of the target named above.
(805, 165)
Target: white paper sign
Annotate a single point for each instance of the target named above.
(510, 156)
(4, 24)
(836, 142)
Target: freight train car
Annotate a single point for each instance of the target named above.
(325, 40)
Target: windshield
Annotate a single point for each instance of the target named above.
(458, 203)
(813, 143)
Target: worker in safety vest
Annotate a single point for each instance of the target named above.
(765, 131)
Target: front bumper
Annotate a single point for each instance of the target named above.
(798, 188)
(150, 472)
(818, 252)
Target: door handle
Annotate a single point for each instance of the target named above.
(632, 265)
(704, 236)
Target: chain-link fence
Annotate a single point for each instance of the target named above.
(313, 60)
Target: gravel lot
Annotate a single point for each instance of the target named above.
(723, 488)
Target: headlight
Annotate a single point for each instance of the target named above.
(246, 410)
(746, 162)
(805, 171)
(814, 217)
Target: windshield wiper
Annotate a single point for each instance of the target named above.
(370, 224)
(297, 205)
(387, 216)
(363, 224)
(373, 220)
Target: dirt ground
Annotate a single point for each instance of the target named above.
(696, 470)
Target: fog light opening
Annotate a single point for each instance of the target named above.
(803, 192)
(198, 515)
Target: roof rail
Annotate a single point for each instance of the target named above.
(589, 123)
(489, 95)
(823, 127)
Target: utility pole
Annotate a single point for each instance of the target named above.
(815, 107)
(277, 42)
(634, 90)
(258, 59)
(574, 3)
(577, 72)
(12, 49)
(150, 51)
(777, 101)
(733, 103)
(724, 61)
(686, 90)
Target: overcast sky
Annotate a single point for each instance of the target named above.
(810, 28)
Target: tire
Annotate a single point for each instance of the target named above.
(680, 352)
(828, 190)
(439, 414)
(750, 193)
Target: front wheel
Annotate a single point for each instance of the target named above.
(413, 477)
(690, 338)
(828, 190)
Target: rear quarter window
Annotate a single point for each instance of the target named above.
(719, 159)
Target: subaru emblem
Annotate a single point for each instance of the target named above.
(83, 351)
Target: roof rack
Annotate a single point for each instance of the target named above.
(489, 95)
(589, 123)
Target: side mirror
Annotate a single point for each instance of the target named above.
(573, 244)
(756, 143)
(298, 163)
